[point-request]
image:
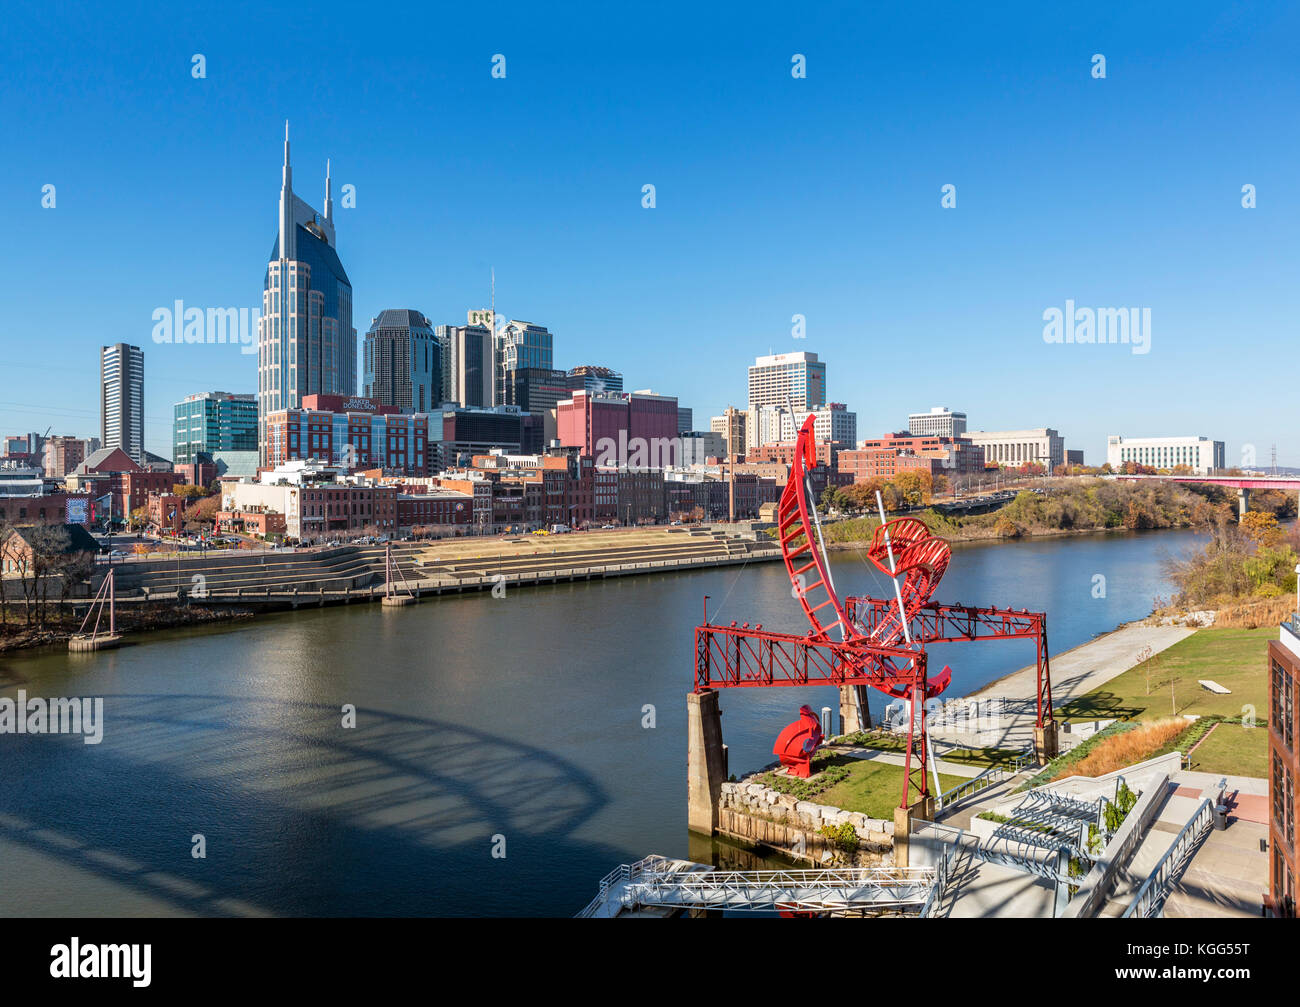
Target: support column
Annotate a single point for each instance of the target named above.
(1243, 501)
(903, 818)
(1047, 742)
(705, 761)
(849, 722)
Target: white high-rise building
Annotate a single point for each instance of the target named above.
(1200, 454)
(797, 380)
(121, 395)
(777, 425)
(306, 344)
(940, 421)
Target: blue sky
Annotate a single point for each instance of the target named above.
(775, 196)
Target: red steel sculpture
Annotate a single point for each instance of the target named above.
(881, 642)
(797, 742)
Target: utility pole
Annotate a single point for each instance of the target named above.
(731, 465)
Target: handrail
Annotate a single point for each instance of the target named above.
(1150, 898)
(990, 776)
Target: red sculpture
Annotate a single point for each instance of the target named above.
(796, 744)
(861, 641)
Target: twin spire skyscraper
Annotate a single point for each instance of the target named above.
(306, 344)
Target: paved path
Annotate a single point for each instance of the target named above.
(1074, 673)
(1227, 874)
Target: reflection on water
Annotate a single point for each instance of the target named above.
(477, 718)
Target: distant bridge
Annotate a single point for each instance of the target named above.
(1242, 484)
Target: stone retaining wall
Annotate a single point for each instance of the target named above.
(755, 813)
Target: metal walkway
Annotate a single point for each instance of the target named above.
(661, 883)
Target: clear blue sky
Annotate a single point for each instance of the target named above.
(775, 196)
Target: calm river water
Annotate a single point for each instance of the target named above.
(477, 718)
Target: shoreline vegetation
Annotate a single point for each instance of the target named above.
(1245, 572)
(57, 628)
(1067, 506)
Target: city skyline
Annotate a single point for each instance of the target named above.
(646, 291)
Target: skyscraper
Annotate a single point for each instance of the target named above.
(794, 379)
(213, 422)
(121, 397)
(306, 344)
(470, 360)
(520, 346)
(403, 361)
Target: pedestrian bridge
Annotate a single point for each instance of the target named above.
(658, 883)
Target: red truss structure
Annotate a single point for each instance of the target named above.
(881, 642)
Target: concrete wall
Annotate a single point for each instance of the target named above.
(1100, 881)
(754, 813)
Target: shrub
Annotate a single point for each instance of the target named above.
(1125, 749)
(844, 837)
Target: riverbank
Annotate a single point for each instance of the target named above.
(60, 627)
(982, 536)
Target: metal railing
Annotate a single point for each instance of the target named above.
(620, 874)
(942, 871)
(830, 888)
(986, 779)
(1150, 899)
(649, 882)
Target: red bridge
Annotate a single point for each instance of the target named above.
(1242, 484)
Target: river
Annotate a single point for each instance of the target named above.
(483, 726)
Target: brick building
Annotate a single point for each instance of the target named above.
(1284, 765)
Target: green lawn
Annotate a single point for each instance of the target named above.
(873, 788)
(1235, 750)
(1235, 658)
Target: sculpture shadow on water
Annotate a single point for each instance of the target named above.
(395, 817)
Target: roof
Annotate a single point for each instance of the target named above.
(79, 540)
(98, 460)
(399, 318)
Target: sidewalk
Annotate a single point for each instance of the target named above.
(1073, 673)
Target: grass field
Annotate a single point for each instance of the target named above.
(873, 788)
(1235, 750)
(1235, 658)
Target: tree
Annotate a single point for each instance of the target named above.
(913, 487)
(1261, 528)
(47, 545)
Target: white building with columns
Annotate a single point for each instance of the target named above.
(1013, 448)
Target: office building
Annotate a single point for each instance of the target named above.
(732, 426)
(777, 425)
(306, 344)
(797, 380)
(402, 361)
(940, 421)
(1200, 455)
(62, 455)
(595, 380)
(520, 346)
(1283, 766)
(470, 362)
(685, 419)
(349, 433)
(121, 397)
(213, 421)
